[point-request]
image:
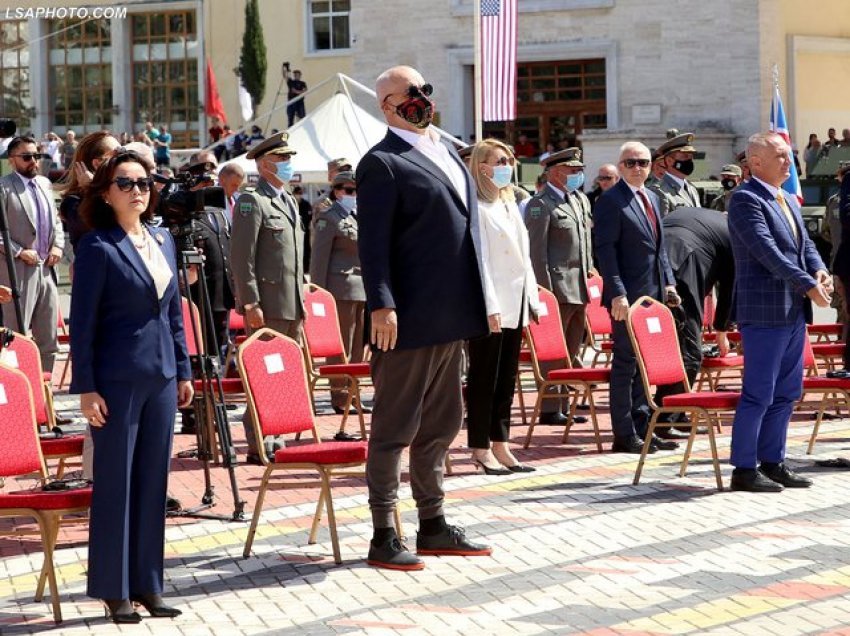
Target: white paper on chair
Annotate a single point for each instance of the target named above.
(274, 363)
(543, 310)
(594, 291)
(653, 324)
(9, 358)
(319, 309)
(3, 398)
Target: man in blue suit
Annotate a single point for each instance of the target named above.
(778, 273)
(629, 245)
(420, 258)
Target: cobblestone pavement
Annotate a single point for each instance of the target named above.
(577, 550)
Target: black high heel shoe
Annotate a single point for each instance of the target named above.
(489, 470)
(521, 468)
(121, 612)
(153, 604)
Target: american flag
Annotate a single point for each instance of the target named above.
(498, 59)
(780, 127)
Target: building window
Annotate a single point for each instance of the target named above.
(80, 75)
(329, 25)
(165, 73)
(15, 99)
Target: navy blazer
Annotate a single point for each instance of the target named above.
(773, 270)
(631, 261)
(418, 245)
(120, 330)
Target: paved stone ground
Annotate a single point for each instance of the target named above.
(578, 550)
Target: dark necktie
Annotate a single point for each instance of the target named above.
(42, 231)
(650, 213)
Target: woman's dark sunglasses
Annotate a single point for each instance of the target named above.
(504, 161)
(631, 163)
(125, 184)
(348, 189)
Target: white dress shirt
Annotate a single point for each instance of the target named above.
(429, 144)
(507, 263)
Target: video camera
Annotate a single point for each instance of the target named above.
(8, 128)
(180, 206)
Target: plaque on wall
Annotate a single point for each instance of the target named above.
(646, 114)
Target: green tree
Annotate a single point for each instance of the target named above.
(252, 58)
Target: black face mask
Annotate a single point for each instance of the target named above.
(686, 167)
(418, 111)
(728, 184)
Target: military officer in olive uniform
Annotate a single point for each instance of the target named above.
(730, 179)
(674, 190)
(266, 246)
(335, 266)
(335, 166)
(558, 220)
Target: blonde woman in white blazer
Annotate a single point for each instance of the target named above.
(510, 293)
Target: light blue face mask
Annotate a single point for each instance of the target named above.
(502, 176)
(575, 181)
(284, 170)
(348, 201)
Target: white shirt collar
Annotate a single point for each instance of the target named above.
(772, 189)
(26, 180)
(411, 137)
(560, 192)
(634, 189)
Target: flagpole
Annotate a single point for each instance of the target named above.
(479, 130)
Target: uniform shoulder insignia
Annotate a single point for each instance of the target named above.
(535, 210)
(245, 208)
(321, 224)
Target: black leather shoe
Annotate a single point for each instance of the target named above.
(632, 445)
(555, 418)
(253, 459)
(665, 432)
(751, 480)
(451, 541)
(521, 468)
(660, 444)
(392, 554)
(342, 436)
(579, 419)
(781, 474)
(154, 605)
(121, 612)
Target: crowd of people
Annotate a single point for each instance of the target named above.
(429, 250)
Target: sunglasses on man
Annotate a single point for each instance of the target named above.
(29, 156)
(125, 184)
(631, 163)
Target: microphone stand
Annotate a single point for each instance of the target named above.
(10, 266)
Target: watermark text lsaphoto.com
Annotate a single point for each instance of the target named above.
(61, 13)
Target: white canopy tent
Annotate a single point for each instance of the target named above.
(339, 127)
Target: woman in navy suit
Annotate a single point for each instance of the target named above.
(131, 369)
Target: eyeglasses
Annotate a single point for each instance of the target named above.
(348, 189)
(28, 156)
(125, 184)
(631, 163)
(414, 91)
(504, 161)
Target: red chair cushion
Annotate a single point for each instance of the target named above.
(579, 375)
(606, 345)
(40, 500)
(705, 399)
(828, 348)
(70, 445)
(837, 384)
(525, 355)
(357, 369)
(726, 362)
(325, 453)
(826, 328)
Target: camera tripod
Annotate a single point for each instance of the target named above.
(208, 404)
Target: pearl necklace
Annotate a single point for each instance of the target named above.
(143, 244)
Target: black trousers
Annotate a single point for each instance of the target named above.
(689, 331)
(490, 384)
(845, 282)
(629, 407)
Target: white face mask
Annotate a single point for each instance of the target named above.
(502, 176)
(348, 201)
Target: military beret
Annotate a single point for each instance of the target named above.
(343, 177)
(679, 143)
(275, 145)
(731, 168)
(465, 151)
(339, 164)
(568, 157)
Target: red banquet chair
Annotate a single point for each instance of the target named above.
(598, 323)
(22, 354)
(272, 369)
(546, 344)
(834, 392)
(653, 334)
(323, 341)
(20, 456)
